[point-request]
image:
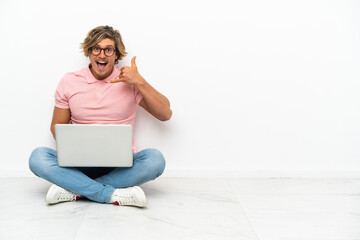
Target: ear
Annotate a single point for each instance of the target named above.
(116, 58)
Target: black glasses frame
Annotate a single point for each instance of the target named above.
(102, 49)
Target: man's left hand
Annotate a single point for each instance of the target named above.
(129, 75)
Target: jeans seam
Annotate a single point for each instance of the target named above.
(108, 200)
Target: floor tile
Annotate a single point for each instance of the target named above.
(25, 215)
(178, 209)
(301, 209)
(295, 186)
(191, 208)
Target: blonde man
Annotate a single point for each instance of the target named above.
(102, 94)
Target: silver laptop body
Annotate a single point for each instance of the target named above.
(94, 145)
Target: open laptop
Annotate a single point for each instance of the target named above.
(94, 145)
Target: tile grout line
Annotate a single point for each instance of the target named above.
(82, 220)
(242, 209)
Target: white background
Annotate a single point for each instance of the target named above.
(256, 87)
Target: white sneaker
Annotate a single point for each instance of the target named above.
(57, 194)
(132, 196)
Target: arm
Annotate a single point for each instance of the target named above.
(153, 101)
(60, 116)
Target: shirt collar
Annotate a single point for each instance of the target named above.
(91, 79)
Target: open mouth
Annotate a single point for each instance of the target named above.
(101, 64)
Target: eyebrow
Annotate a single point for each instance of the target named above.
(97, 45)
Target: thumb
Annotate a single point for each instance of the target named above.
(133, 64)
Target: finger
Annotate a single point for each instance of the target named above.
(117, 80)
(133, 64)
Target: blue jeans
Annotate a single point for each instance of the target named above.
(97, 183)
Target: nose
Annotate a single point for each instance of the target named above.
(102, 53)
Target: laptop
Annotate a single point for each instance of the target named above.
(94, 145)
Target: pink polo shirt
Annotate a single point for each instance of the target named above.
(93, 101)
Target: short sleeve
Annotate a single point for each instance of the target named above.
(138, 95)
(61, 96)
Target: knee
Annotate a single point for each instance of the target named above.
(157, 161)
(38, 159)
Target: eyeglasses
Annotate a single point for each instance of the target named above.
(109, 51)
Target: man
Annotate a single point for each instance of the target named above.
(102, 94)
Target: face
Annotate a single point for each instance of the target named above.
(102, 65)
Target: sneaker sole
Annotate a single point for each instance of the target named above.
(141, 192)
(50, 193)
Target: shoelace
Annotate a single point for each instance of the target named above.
(124, 199)
(67, 196)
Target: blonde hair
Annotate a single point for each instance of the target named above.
(98, 34)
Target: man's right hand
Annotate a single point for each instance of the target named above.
(60, 116)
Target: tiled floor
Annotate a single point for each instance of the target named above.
(191, 208)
